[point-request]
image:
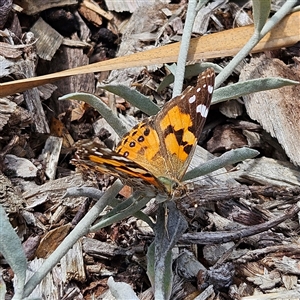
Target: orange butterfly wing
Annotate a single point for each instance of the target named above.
(156, 151)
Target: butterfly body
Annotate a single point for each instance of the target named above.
(157, 151)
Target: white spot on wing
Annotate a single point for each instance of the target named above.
(192, 99)
(210, 89)
(203, 110)
(96, 153)
(137, 170)
(198, 90)
(120, 158)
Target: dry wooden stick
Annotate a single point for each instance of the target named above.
(221, 44)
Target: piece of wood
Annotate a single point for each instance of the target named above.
(231, 109)
(126, 5)
(9, 51)
(47, 287)
(50, 155)
(51, 240)
(20, 167)
(50, 287)
(32, 97)
(268, 171)
(278, 111)
(32, 7)
(226, 137)
(10, 200)
(6, 65)
(7, 108)
(93, 12)
(55, 190)
(69, 57)
(102, 249)
(213, 193)
(48, 39)
(188, 265)
(254, 139)
(5, 9)
(72, 264)
(90, 15)
(46, 90)
(221, 44)
(59, 214)
(30, 246)
(228, 230)
(20, 118)
(203, 17)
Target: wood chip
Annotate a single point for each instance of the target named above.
(268, 171)
(50, 155)
(7, 107)
(278, 111)
(225, 137)
(48, 39)
(20, 167)
(127, 5)
(51, 240)
(202, 19)
(9, 197)
(32, 7)
(93, 12)
(55, 189)
(72, 264)
(231, 109)
(9, 51)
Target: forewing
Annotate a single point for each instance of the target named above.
(93, 157)
(181, 121)
(142, 145)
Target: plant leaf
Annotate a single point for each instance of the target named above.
(168, 230)
(239, 89)
(231, 157)
(261, 11)
(133, 97)
(125, 209)
(11, 249)
(102, 108)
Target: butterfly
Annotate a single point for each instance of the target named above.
(156, 152)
